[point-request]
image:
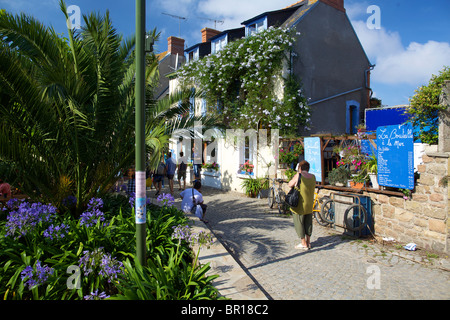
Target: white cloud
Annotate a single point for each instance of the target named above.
(396, 64)
(378, 42)
(415, 64)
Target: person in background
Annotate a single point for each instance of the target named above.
(170, 170)
(131, 186)
(197, 163)
(182, 167)
(5, 190)
(303, 212)
(191, 195)
(158, 176)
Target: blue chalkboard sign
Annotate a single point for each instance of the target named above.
(313, 154)
(367, 148)
(395, 156)
(379, 117)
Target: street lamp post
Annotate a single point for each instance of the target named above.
(141, 197)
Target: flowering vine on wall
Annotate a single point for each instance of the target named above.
(241, 82)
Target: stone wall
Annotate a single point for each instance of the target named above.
(424, 218)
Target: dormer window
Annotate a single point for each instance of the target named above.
(256, 26)
(219, 43)
(193, 55)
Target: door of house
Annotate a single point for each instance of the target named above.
(352, 117)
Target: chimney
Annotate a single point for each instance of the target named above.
(208, 33)
(337, 4)
(175, 45)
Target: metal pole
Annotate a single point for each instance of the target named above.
(141, 197)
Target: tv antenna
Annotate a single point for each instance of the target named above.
(215, 21)
(179, 21)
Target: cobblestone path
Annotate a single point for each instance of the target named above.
(337, 266)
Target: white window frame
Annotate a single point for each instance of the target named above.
(203, 108)
(248, 144)
(193, 55)
(256, 27)
(219, 43)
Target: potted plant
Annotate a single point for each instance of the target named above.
(290, 157)
(358, 180)
(264, 191)
(361, 131)
(361, 127)
(284, 157)
(338, 150)
(352, 157)
(371, 168)
(211, 166)
(246, 168)
(251, 187)
(339, 176)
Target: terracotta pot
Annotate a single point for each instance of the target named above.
(356, 185)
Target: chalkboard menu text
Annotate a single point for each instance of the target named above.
(313, 154)
(395, 156)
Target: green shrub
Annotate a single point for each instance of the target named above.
(339, 175)
(43, 253)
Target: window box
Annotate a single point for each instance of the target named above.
(245, 175)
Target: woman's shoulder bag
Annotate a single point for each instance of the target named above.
(293, 196)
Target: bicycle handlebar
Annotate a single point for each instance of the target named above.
(275, 179)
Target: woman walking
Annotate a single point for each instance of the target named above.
(303, 212)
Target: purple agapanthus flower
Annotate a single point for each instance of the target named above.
(93, 214)
(11, 204)
(56, 232)
(96, 296)
(181, 232)
(166, 199)
(184, 232)
(106, 265)
(36, 275)
(26, 217)
(95, 203)
(90, 218)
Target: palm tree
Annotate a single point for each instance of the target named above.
(70, 129)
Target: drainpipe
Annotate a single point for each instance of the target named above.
(367, 82)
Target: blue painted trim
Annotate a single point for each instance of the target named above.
(263, 19)
(350, 103)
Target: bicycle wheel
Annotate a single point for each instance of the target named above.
(316, 211)
(327, 211)
(282, 206)
(355, 217)
(271, 198)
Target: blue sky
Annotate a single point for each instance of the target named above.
(412, 43)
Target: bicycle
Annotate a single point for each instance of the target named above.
(317, 206)
(277, 195)
(355, 216)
